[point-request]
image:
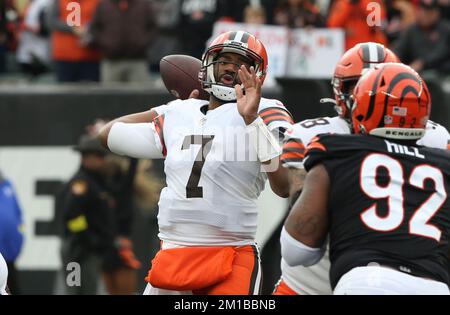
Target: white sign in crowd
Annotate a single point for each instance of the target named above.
(312, 53)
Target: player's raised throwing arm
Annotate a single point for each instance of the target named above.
(269, 150)
(134, 135)
(142, 117)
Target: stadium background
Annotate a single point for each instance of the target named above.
(41, 120)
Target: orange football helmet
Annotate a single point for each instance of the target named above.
(391, 101)
(354, 63)
(238, 42)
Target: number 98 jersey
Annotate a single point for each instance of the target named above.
(388, 204)
(300, 135)
(212, 172)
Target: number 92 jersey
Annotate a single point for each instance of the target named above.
(388, 204)
(213, 175)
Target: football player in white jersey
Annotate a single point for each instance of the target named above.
(3, 276)
(214, 155)
(315, 280)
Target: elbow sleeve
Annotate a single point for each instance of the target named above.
(138, 140)
(296, 253)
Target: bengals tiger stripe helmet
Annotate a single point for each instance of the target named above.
(238, 42)
(391, 101)
(354, 63)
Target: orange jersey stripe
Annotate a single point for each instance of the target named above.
(293, 145)
(316, 145)
(270, 111)
(273, 112)
(292, 155)
(159, 125)
(276, 117)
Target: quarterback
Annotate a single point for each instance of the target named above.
(218, 155)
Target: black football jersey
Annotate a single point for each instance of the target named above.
(388, 204)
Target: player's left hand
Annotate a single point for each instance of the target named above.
(248, 104)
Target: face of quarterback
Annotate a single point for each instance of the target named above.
(226, 68)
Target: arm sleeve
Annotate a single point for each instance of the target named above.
(296, 253)
(135, 140)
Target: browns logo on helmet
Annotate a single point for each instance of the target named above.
(238, 42)
(354, 63)
(391, 101)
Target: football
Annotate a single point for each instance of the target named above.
(180, 75)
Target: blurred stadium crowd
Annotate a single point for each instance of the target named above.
(123, 40)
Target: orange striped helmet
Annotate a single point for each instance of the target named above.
(238, 42)
(354, 63)
(391, 101)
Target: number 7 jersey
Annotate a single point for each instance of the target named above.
(212, 172)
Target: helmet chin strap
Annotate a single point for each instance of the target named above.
(223, 93)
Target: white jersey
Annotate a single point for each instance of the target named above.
(3, 275)
(315, 279)
(436, 136)
(303, 132)
(210, 200)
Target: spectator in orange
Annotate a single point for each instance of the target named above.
(352, 16)
(298, 13)
(74, 60)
